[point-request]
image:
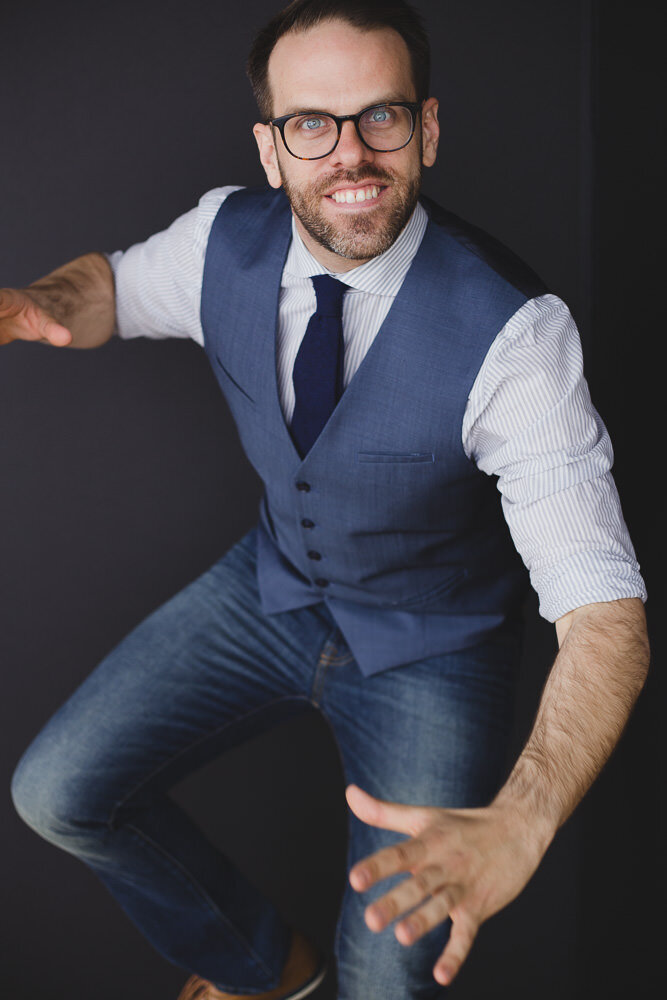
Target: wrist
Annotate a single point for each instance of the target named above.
(528, 811)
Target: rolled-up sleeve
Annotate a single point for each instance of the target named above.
(530, 421)
(158, 282)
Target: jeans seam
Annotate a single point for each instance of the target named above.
(336, 661)
(327, 657)
(199, 892)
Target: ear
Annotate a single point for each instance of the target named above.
(430, 131)
(267, 153)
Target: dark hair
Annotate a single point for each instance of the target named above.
(300, 15)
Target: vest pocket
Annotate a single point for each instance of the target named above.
(395, 456)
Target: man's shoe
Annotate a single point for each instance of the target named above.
(303, 972)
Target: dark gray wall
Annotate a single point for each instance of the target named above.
(122, 477)
(622, 818)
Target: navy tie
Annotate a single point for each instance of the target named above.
(318, 367)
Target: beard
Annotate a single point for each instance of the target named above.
(362, 236)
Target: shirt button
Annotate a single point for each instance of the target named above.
(304, 487)
(321, 583)
(307, 523)
(313, 555)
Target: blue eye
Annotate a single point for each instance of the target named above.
(380, 116)
(311, 124)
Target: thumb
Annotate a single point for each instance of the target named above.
(21, 318)
(56, 334)
(380, 812)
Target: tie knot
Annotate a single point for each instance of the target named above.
(329, 292)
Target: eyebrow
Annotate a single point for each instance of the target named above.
(310, 109)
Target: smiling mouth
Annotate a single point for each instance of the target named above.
(357, 196)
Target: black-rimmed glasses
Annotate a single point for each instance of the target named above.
(384, 128)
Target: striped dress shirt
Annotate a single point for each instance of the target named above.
(529, 419)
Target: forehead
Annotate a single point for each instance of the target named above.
(338, 68)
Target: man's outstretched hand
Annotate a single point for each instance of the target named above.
(21, 318)
(465, 864)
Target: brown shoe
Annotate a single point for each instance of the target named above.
(303, 972)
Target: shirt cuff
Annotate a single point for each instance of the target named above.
(586, 577)
(114, 260)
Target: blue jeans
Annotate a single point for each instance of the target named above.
(202, 673)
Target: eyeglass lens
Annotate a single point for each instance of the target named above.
(384, 128)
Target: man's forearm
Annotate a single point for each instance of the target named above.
(81, 296)
(589, 694)
(468, 863)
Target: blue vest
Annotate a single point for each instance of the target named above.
(409, 547)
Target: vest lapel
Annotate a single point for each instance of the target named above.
(256, 291)
(393, 349)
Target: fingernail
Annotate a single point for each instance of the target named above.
(361, 878)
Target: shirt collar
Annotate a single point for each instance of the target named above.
(383, 274)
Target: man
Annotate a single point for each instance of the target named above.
(380, 583)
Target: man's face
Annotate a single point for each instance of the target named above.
(337, 68)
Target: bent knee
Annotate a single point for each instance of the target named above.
(44, 797)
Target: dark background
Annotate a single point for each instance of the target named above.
(121, 477)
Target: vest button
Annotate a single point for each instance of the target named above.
(307, 523)
(304, 487)
(313, 555)
(321, 583)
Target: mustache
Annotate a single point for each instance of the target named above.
(368, 173)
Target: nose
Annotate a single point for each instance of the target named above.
(350, 149)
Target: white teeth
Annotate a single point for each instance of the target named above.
(360, 194)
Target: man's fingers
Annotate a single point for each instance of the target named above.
(461, 937)
(400, 857)
(404, 896)
(434, 911)
(23, 319)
